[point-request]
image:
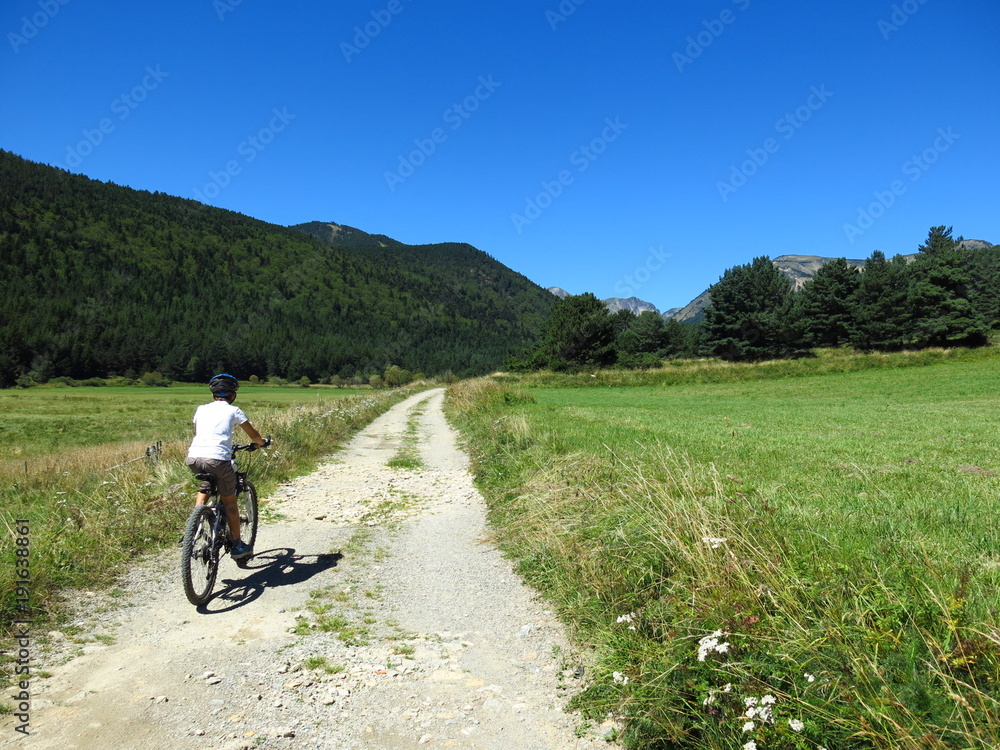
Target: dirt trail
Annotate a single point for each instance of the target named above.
(373, 615)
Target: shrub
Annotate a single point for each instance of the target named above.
(154, 379)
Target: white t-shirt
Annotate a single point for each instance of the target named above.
(213, 430)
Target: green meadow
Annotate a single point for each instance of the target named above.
(763, 553)
(37, 422)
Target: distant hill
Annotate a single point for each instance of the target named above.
(341, 234)
(800, 268)
(634, 304)
(692, 312)
(100, 279)
(614, 304)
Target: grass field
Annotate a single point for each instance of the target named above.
(803, 561)
(37, 422)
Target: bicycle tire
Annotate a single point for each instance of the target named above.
(246, 498)
(199, 558)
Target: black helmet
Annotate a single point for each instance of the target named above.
(223, 385)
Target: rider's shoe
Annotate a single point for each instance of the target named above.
(240, 550)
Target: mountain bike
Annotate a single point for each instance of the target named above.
(206, 535)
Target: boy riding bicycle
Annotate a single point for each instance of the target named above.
(211, 450)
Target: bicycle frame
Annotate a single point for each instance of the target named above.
(207, 536)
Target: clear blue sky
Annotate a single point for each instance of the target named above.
(619, 148)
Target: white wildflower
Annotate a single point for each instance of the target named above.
(710, 643)
(796, 725)
(810, 677)
(751, 745)
(768, 700)
(749, 726)
(727, 688)
(751, 701)
(620, 678)
(713, 541)
(627, 618)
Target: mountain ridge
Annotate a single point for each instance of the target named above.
(101, 279)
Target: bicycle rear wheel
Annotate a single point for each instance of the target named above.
(246, 498)
(199, 558)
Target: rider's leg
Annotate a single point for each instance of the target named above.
(201, 499)
(232, 515)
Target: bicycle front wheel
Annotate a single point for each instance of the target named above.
(246, 499)
(199, 558)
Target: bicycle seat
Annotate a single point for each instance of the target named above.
(207, 479)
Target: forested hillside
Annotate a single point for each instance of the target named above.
(99, 279)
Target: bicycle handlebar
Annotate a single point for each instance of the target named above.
(251, 446)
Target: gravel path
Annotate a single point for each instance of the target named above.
(374, 615)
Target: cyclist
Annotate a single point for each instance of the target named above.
(212, 450)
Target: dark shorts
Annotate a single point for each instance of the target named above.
(225, 477)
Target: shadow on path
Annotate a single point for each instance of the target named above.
(268, 569)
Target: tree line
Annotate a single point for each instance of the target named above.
(947, 294)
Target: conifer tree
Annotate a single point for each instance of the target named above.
(881, 315)
(579, 333)
(644, 343)
(943, 314)
(984, 284)
(749, 316)
(823, 309)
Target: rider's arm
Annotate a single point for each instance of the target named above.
(252, 433)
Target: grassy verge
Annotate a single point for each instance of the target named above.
(85, 521)
(798, 563)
